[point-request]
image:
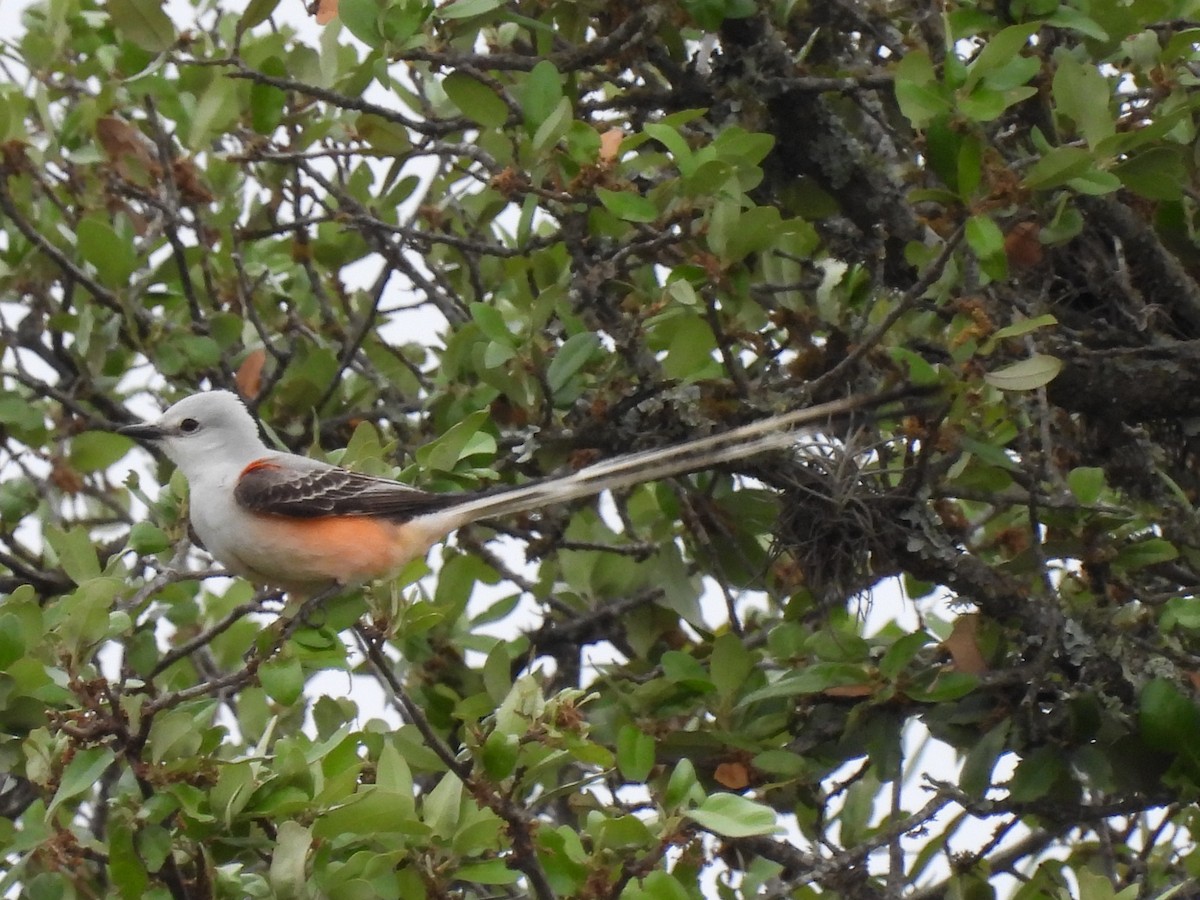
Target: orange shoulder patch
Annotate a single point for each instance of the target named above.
(259, 464)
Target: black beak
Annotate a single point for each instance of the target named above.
(147, 433)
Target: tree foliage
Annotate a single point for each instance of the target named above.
(629, 224)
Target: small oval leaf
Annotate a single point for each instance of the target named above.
(1027, 374)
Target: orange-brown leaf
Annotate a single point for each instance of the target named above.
(610, 145)
(963, 645)
(1022, 245)
(327, 11)
(187, 178)
(64, 476)
(733, 775)
(849, 690)
(249, 374)
(131, 152)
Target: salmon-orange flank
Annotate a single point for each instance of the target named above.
(347, 549)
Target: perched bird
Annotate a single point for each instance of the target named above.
(295, 523)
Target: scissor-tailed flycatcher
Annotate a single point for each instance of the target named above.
(288, 521)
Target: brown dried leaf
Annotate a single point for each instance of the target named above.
(1022, 246)
(131, 152)
(187, 178)
(327, 11)
(610, 145)
(249, 374)
(963, 645)
(849, 690)
(733, 775)
(64, 476)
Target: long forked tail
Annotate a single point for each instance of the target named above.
(771, 433)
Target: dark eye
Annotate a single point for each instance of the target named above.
(189, 426)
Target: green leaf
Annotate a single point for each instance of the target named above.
(563, 858)
(1057, 167)
(690, 352)
(287, 873)
(76, 553)
(1004, 46)
(571, 357)
(811, 680)
(1024, 326)
(217, 108)
(476, 100)
(1158, 173)
(394, 774)
(1077, 20)
(901, 653)
(124, 865)
(554, 127)
(1095, 183)
(676, 143)
(985, 103)
(919, 371)
(465, 9)
(257, 12)
(683, 668)
(749, 231)
(1179, 611)
(622, 832)
(1084, 95)
(1086, 483)
(268, 102)
(522, 705)
(660, 885)
(734, 816)
(947, 686)
(1026, 375)
(460, 440)
(112, 255)
(173, 736)
(730, 665)
(683, 787)
(146, 538)
(920, 96)
(361, 18)
(984, 237)
(383, 135)
(1167, 719)
(976, 775)
(628, 206)
(1036, 774)
(499, 755)
(968, 165)
(12, 643)
(81, 774)
(442, 805)
(282, 677)
(22, 416)
(492, 871)
(371, 812)
(144, 23)
(491, 322)
(93, 451)
(541, 94)
(635, 753)
(1149, 552)
(400, 21)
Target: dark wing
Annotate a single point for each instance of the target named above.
(274, 489)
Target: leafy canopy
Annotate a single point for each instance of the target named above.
(475, 242)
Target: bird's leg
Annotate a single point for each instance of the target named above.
(303, 615)
(283, 628)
